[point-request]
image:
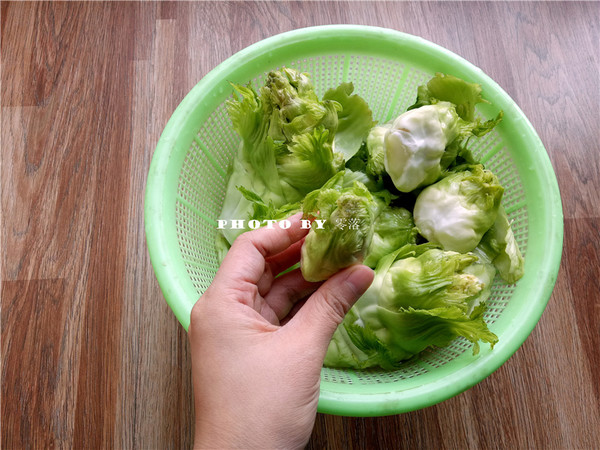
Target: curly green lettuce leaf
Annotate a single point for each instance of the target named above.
(457, 152)
(464, 96)
(347, 216)
(357, 346)
(375, 165)
(345, 179)
(258, 147)
(485, 273)
(393, 228)
(286, 144)
(235, 205)
(359, 161)
(418, 156)
(448, 88)
(421, 297)
(355, 119)
(432, 280)
(412, 331)
(289, 98)
(262, 211)
(308, 162)
(500, 247)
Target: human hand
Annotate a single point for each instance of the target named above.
(258, 342)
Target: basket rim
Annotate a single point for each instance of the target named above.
(166, 258)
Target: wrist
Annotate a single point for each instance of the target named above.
(216, 434)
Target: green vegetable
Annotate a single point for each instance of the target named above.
(307, 163)
(448, 88)
(392, 229)
(292, 107)
(347, 215)
(359, 225)
(355, 119)
(267, 211)
(346, 179)
(286, 148)
(235, 205)
(420, 297)
(500, 247)
(433, 133)
(457, 210)
(376, 150)
(415, 144)
(485, 273)
(374, 191)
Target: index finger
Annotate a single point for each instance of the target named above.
(251, 248)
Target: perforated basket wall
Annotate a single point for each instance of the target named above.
(388, 80)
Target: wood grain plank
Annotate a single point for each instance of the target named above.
(562, 56)
(46, 200)
(99, 368)
(34, 321)
(209, 47)
(62, 169)
(154, 399)
(582, 271)
(38, 152)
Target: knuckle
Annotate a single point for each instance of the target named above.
(242, 241)
(246, 293)
(251, 242)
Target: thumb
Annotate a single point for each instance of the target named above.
(317, 320)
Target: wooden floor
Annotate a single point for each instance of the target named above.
(92, 357)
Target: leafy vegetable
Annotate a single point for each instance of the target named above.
(407, 198)
(286, 148)
(290, 102)
(457, 210)
(432, 134)
(485, 273)
(308, 162)
(420, 297)
(359, 225)
(262, 211)
(348, 214)
(355, 119)
(500, 247)
(415, 145)
(376, 150)
(448, 88)
(393, 228)
(358, 162)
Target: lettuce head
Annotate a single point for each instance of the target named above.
(421, 297)
(459, 209)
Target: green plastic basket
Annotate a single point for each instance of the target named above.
(187, 181)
